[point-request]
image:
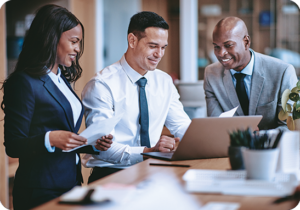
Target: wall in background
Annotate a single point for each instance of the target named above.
(117, 15)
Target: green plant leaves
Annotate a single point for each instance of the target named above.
(294, 96)
(288, 108)
(240, 138)
(285, 98)
(298, 85)
(282, 115)
(297, 105)
(251, 140)
(296, 114)
(295, 90)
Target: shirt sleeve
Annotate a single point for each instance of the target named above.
(121, 154)
(47, 143)
(98, 105)
(177, 120)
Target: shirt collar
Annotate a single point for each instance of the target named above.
(55, 76)
(133, 75)
(248, 70)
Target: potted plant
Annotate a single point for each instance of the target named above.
(291, 113)
(255, 152)
(238, 139)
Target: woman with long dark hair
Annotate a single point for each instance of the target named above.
(42, 112)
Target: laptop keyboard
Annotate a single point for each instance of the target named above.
(166, 154)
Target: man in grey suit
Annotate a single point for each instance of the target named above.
(245, 78)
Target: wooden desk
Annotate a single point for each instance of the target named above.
(142, 171)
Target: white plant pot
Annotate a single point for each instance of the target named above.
(260, 164)
(297, 124)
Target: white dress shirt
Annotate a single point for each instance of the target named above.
(74, 102)
(113, 84)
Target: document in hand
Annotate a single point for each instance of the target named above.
(229, 113)
(102, 127)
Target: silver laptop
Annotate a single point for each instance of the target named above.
(207, 138)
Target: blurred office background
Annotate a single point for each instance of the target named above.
(272, 24)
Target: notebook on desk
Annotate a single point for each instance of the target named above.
(207, 138)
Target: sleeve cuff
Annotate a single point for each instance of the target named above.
(47, 143)
(94, 148)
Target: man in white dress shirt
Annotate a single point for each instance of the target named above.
(151, 99)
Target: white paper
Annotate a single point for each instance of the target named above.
(76, 194)
(229, 113)
(221, 206)
(116, 195)
(235, 183)
(101, 128)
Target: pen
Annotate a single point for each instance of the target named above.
(87, 197)
(277, 139)
(162, 164)
(295, 196)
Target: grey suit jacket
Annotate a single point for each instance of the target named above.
(270, 78)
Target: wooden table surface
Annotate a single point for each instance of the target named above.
(172, 179)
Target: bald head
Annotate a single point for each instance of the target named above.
(231, 43)
(232, 25)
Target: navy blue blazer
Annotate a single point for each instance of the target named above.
(34, 106)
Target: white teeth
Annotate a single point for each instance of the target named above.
(225, 60)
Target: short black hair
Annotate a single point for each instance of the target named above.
(142, 20)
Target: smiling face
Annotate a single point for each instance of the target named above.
(231, 47)
(68, 47)
(146, 53)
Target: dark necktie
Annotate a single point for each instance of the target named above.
(144, 117)
(241, 92)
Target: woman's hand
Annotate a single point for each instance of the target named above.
(104, 143)
(66, 140)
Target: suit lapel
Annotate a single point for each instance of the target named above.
(231, 92)
(256, 83)
(78, 123)
(60, 98)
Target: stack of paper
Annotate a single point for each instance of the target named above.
(235, 183)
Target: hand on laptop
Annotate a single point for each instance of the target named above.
(104, 143)
(165, 144)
